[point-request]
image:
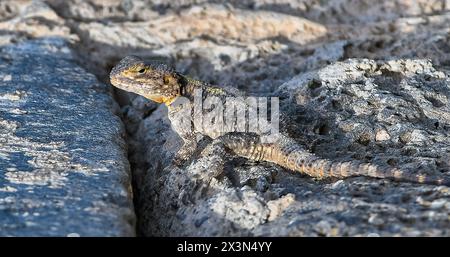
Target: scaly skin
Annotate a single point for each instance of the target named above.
(161, 84)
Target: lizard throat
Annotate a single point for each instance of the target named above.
(169, 99)
(162, 99)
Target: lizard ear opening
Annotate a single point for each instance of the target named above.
(166, 79)
(141, 71)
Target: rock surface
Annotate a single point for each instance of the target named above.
(63, 165)
(390, 106)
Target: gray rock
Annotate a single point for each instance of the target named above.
(63, 163)
(31, 19)
(212, 42)
(329, 12)
(349, 103)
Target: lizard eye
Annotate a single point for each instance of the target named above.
(141, 70)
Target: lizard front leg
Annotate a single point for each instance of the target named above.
(186, 152)
(180, 118)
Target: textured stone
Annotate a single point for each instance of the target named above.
(63, 163)
(329, 12)
(26, 19)
(207, 40)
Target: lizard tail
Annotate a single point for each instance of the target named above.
(288, 154)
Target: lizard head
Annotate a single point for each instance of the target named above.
(154, 81)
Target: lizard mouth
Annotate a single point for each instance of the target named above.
(115, 81)
(130, 86)
(136, 87)
(122, 83)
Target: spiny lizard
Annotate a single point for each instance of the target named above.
(162, 84)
